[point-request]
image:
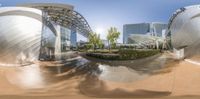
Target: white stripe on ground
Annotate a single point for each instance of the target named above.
(192, 61)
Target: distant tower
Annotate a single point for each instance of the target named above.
(73, 38)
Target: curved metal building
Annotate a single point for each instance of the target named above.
(184, 30)
(32, 32)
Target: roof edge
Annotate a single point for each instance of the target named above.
(35, 5)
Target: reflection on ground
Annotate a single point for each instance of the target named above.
(80, 76)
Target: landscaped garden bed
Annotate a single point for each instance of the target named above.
(125, 54)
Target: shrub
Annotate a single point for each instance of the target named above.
(125, 54)
(136, 54)
(104, 56)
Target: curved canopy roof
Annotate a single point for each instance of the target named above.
(142, 39)
(63, 15)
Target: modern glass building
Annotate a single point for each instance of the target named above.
(141, 28)
(73, 39)
(154, 29)
(42, 31)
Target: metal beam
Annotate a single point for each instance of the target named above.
(65, 16)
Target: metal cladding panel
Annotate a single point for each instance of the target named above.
(185, 31)
(20, 36)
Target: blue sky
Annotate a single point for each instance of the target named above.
(102, 14)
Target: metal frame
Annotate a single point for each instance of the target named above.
(64, 15)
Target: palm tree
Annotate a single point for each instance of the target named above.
(113, 35)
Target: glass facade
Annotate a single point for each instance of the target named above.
(47, 47)
(158, 28)
(65, 39)
(141, 28)
(73, 39)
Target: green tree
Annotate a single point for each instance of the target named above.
(95, 41)
(113, 35)
(99, 42)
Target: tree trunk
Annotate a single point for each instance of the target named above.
(93, 47)
(109, 46)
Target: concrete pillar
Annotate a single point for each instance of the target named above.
(179, 54)
(43, 52)
(157, 44)
(58, 43)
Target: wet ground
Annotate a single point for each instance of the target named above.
(81, 77)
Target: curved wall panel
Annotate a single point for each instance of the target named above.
(20, 39)
(185, 29)
(20, 35)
